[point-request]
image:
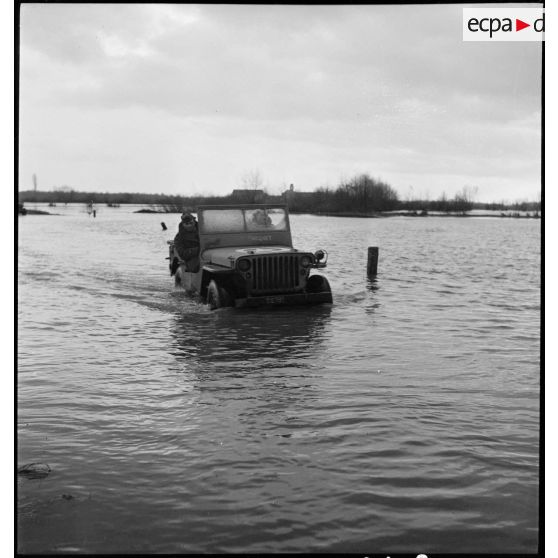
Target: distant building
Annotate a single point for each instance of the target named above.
(248, 196)
(297, 200)
(294, 200)
(289, 194)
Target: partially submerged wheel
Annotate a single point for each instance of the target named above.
(319, 284)
(173, 266)
(217, 296)
(178, 276)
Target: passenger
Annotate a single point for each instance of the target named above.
(187, 242)
(261, 219)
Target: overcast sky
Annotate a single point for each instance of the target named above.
(194, 99)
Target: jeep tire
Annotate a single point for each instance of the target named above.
(178, 276)
(217, 296)
(318, 284)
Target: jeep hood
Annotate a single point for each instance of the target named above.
(227, 256)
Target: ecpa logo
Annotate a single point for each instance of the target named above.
(503, 24)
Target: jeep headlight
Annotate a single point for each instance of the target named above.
(306, 261)
(244, 265)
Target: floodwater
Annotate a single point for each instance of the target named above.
(402, 418)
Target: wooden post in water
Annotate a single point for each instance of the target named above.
(372, 265)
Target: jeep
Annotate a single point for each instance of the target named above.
(247, 258)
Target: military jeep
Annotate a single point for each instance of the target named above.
(247, 259)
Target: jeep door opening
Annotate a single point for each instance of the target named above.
(247, 258)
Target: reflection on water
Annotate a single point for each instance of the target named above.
(372, 284)
(241, 339)
(401, 418)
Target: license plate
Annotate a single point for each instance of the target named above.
(275, 299)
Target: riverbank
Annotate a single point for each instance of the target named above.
(63, 209)
(34, 212)
(352, 198)
(374, 215)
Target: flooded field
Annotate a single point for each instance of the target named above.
(404, 417)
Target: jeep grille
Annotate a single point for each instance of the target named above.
(277, 273)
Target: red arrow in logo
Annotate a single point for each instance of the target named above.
(519, 25)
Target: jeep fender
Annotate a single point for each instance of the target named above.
(209, 272)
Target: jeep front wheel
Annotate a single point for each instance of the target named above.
(178, 276)
(319, 284)
(217, 296)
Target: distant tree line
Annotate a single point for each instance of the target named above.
(164, 202)
(360, 195)
(462, 203)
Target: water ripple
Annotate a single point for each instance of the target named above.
(404, 417)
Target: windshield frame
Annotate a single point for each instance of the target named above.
(243, 219)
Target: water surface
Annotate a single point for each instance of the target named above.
(402, 418)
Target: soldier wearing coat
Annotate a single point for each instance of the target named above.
(187, 242)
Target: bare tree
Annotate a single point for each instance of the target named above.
(463, 200)
(252, 180)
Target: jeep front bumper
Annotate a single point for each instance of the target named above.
(290, 299)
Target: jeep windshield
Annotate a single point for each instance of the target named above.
(241, 220)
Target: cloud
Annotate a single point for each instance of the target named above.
(391, 87)
(257, 62)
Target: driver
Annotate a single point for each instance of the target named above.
(187, 242)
